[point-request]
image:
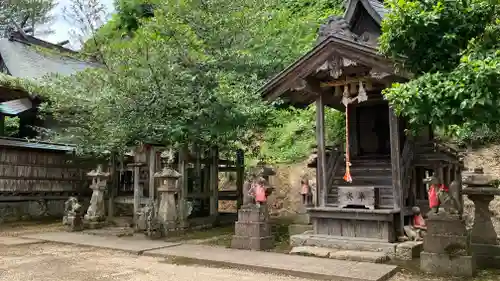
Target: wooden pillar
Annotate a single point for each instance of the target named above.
(113, 186)
(353, 133)
(152, 170)
(240, 176)
(396, 165)
(137, 190)
(214, 182)
(183, 187)
(321, 177)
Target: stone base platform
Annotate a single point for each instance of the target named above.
(358, 249)
(360, 256)
(443, 264)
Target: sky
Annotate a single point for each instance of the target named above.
(61, 27)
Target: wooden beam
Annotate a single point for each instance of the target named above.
(396, 165)
(214, 182)
(240, 175)
(322, 184)
(183, 186)
(152, 166)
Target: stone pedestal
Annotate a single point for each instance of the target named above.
(168, 208)
(302, 222)
(481, 190)
(73, 217)
(96, 212)
(447, 248)
(252, 230)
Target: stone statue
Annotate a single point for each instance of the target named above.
(440, 196)
(73, 214)
(417, 228)
(152, 225)
(257, 187)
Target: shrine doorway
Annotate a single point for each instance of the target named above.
(373, 130)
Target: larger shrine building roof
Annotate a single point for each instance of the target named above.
(346, 50)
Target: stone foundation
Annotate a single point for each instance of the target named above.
(443, 264)
(487, 256)
(33, 210)
(408, 250)
(252, 230)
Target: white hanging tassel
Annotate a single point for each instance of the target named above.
(362, 96)
(345, 97)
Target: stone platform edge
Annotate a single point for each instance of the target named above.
(183, 260)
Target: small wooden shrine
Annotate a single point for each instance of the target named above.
(365, 189)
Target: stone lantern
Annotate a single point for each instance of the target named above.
(167, 191)
(481, 189)
(96, 211)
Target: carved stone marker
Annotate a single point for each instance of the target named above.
(479, 187)
(447, 248)
(96, 213)
(168, 207)
(73, 217)
(252, 230)
(358, 196)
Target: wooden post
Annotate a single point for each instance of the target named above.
(240, 176)
(152, 168)
(113, 186)
(396, 166)
(137, 191)
(183, 183)
(321, 176)
(2, 125)
(214, 182)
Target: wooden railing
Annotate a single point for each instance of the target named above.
(334, 160)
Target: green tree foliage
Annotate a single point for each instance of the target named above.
(452, 47)
(293, 133)
(24, 13)
(187, 75)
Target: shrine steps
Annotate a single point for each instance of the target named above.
(353, 248)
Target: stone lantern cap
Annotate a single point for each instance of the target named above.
(264, 170)
(98, 173)
(167, 173)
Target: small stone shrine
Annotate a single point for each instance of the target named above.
(447, 249)
(73, 214)
(252, 230)
(481, 189)
(96, 213)
(302, 221)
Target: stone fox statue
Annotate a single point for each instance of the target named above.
(440, 196)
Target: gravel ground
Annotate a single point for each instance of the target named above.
(43, 262)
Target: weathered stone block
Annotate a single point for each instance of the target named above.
(447, 244)
(445, 224)
(360, 256)
(252, 215)
(294, 229)
(408, 250)
(311, 251)
(254, 229)
(252, 243)
(342, 243)
(443, 264)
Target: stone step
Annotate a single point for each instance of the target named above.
(359, 256)
(122, 221)
(343, 243)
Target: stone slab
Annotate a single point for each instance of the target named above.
(361, 256)
(311, 251)
(253, 229)
(14, 241)
(293, 265)
(295, 229)
(442, 264)
(252, 243)
(128, 244)
(408, 250)
(442, 244)
(343, 243)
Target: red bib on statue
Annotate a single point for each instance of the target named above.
(433, 197)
